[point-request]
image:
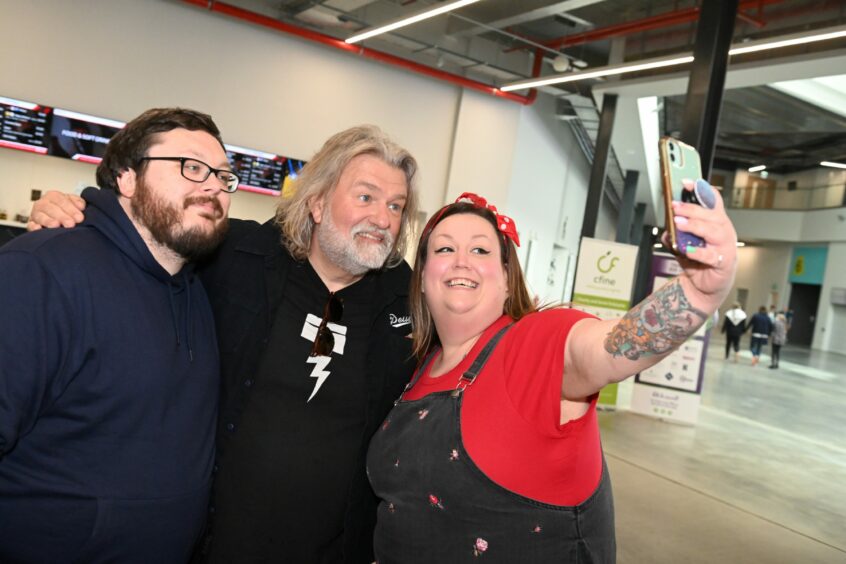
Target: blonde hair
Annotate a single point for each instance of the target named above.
(320, 175)
(424, 336)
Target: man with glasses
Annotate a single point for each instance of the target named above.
(110, 370)
(312, 315)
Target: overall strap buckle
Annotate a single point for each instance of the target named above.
(472, 373)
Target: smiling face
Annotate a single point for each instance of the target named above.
(464, 274)
(190, 218)
(357, 224)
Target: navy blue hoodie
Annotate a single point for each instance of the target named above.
(108, 396)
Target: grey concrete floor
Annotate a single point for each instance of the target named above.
(761, 478)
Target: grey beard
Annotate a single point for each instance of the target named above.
(345, 255)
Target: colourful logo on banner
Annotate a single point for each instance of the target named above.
(808, 265)
(799, 266)
(611, 263)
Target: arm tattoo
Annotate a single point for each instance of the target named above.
(657, 325)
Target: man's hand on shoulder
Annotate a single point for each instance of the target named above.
(56, 209)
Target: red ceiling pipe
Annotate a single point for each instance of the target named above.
(627, 28)
(264, 21)
(653, 22)
(749, 18)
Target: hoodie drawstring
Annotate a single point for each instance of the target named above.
(173, 315)
(173, 312)
(188, 336)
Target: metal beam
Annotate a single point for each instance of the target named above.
(624, 220)
(529, 16)
(602, 148)
(641, 287)
(637, 224)
(707, 78)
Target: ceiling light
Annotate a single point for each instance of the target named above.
(561, 63)
(788, 40)
(749, 47)
(833, 165)
(410, 20)
(606, 71)
(758, 168)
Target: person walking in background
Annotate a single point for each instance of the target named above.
(734, 324)
(761, 327)
(779, 337)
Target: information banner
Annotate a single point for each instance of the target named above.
(24, 125)
(671, 389)
(603, 287)
(81, 137)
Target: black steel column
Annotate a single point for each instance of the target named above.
(637, 224)
(601, 150)
(645, 244)
(708, 77)
(624, 220)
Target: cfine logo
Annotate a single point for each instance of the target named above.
(397, 321)
(605, 266)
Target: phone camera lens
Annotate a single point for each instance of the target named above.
(672, 157)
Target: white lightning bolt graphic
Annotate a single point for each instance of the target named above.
(320, 362)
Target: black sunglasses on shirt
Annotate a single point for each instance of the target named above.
(324, 342)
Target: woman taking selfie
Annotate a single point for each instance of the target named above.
(493, 451)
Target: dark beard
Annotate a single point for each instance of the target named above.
(164, 223)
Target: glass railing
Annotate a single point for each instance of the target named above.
(772, 198)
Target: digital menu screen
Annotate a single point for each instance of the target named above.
(24, 125)
(72, 135)
(80, 137)
(259, 172)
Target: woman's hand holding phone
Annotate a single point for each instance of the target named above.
(710, 267)
(700, 193)
(698, 230)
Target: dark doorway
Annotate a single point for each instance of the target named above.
(804, 299)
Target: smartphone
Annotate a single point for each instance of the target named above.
(679, 161)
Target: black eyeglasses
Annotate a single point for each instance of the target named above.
(198, 171)
(324, 342)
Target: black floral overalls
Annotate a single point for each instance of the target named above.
(437, 506)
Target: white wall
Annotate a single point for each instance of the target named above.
(266, 90)
(484, 142)
(768, 263)
(277, 93)
(816, 226)
(547, 195)
(761, 270)
(820, 187)
(830, 328)
(22, 172)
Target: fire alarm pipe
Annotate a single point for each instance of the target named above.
(276, 25)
